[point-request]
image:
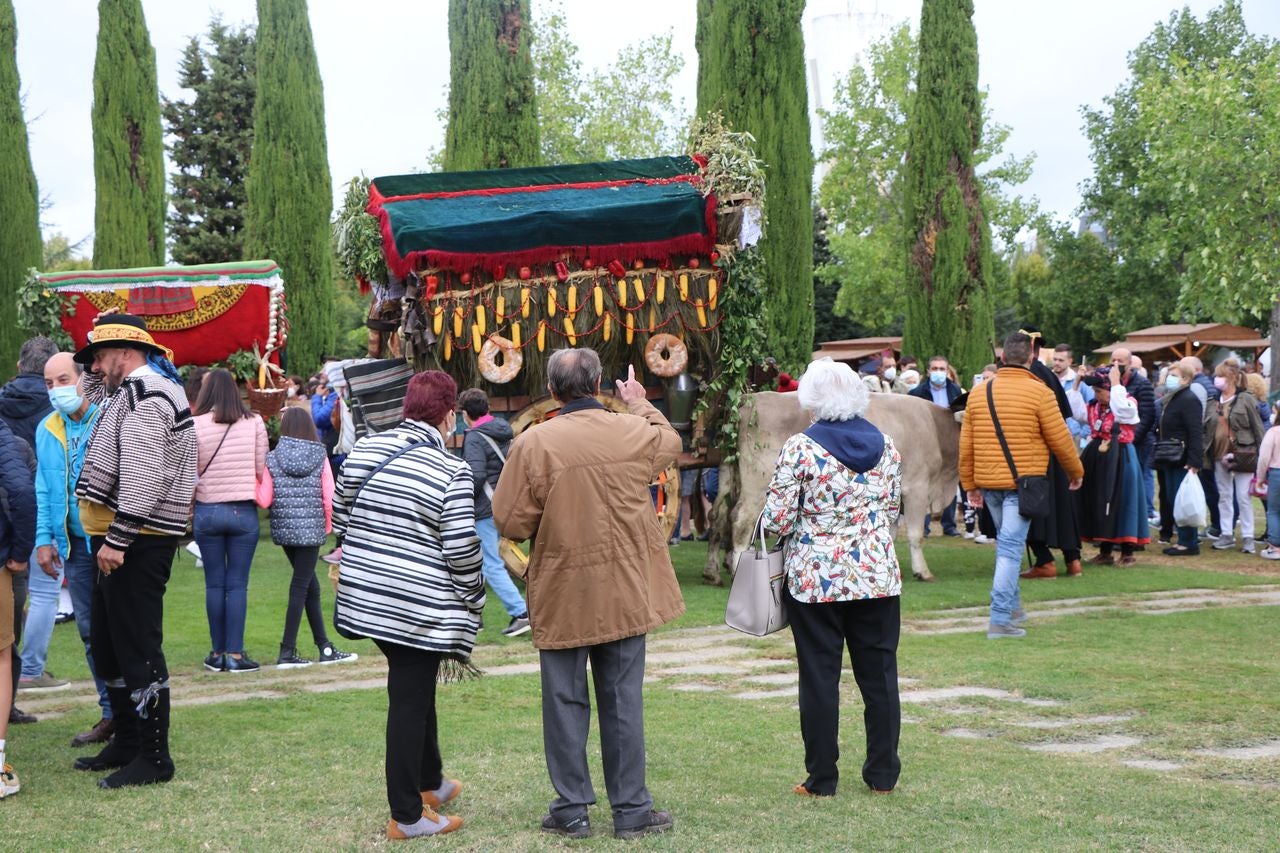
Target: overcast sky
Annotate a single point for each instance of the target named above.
(385, 64)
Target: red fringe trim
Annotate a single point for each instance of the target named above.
(692, 244)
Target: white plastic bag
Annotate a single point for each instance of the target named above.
(1189, 507)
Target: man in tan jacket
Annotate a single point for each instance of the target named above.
(1027, 414)
(599, 579)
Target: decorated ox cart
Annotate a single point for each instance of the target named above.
(205, 313)
(484, 274)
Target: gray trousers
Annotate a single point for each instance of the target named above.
(617, 670)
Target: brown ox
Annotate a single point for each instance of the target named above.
(927, 437)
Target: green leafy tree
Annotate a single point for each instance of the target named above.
(828, 325)
(128, 156)
(60, 254)
(493, 122)
(20, 247)
(212, 137)
(751, 68)
(947, 235)
(290, 194)
(862, 190)
(1175, 149)
(627, 110)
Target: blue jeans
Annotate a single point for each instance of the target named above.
(1011, 541)
(1149, 488)
(495, 571)
(948, 520)
(1273, 507)
(42, 609)
(227, 534)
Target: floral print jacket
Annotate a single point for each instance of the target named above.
(841, 535)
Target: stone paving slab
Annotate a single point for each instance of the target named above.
(944, 693)
(1098, 744)
(774, 678)
(757, 695)
(1158, 765)
(1270, 749)
(701, 669)
(1070, 722)
(694, 656)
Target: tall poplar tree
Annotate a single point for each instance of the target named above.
(492, 120)
(290, 194)
(128, 155)
(948, 239)
(751, 68)
(20, 245)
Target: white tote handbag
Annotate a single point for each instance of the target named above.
(755, 599)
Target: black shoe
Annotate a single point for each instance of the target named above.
(17, 717)
(241, 664)
(152, 765)
(519, 625)
(328, 654)
(125, 742)
(654, 823)
(578, 827)
(215, 662)
(112, 756)
(289, 659)
(1182, 552)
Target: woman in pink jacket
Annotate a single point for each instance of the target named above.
(233, 454)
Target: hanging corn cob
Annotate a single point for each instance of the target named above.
(713, 292)
(437, 319)
(573, 299)
(661, 291)
(542, 335)
(684, 287)
(551, 302)
(500, 308)
(702, 312)
(639, 285)
(622, 292)
(597, 294)
(515, 334)
(448, 346)
(631, 327)
(476, 338)
(568, 330)
(480, 318)
(525, 299)
(607, 328)
(457, 321)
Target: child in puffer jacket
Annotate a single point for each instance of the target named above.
(298, 487)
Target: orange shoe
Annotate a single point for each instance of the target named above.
(802, 791)
(441, 824)
(1073, 569)
(433, 801)
(1047, 571)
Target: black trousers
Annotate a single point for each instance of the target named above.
(869, 628)
(126, 621)
(304, 593)
(19, 619)
(413, 762)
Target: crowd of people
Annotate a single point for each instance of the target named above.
(102, 475)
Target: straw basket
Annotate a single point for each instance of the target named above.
(267, 401)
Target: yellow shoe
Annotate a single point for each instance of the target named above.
(430, 824)
(432, 800)
(8, 782)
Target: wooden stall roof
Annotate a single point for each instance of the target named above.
(854, 349)
(1182, 339)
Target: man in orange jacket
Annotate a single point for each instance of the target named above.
(1026, 412)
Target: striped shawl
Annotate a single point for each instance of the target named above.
(410, 555)
(141, 459)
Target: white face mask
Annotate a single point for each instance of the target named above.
(890, 373)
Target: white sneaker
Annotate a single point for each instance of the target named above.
(1270, 553)
(968, 534)
(1246, 547)
(8, 781)
(982, 540)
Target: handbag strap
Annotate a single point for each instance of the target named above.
(215, 451)
(383, 464)
(488, 489)
(995, 422)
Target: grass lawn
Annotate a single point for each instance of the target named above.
(303, 771)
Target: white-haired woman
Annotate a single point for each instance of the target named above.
(836, 493)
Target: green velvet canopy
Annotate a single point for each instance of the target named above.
(623, 210)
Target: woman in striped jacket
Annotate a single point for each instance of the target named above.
(411, 581)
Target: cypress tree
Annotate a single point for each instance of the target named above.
(289, 190)
(949, 308)
(751, 68)
(212, 139)
(128, 155)
(492, 120)
(20, 245)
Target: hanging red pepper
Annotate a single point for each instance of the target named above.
(694, 263)
(587, 263)
(617, 269)
(715, 256)
(562, 271)
(433, 284)
(638, 263)
(525, 273)
(465, 278)
(499, 273)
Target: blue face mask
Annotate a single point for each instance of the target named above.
(1172, 382)
(938, 377)
(65, 399)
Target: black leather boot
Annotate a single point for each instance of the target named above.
(124, 744)
(152, 764)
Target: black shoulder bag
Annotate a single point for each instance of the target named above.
(1033, 490)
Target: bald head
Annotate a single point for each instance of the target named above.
(61, 369)
(573, 374)
(1121, 357)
